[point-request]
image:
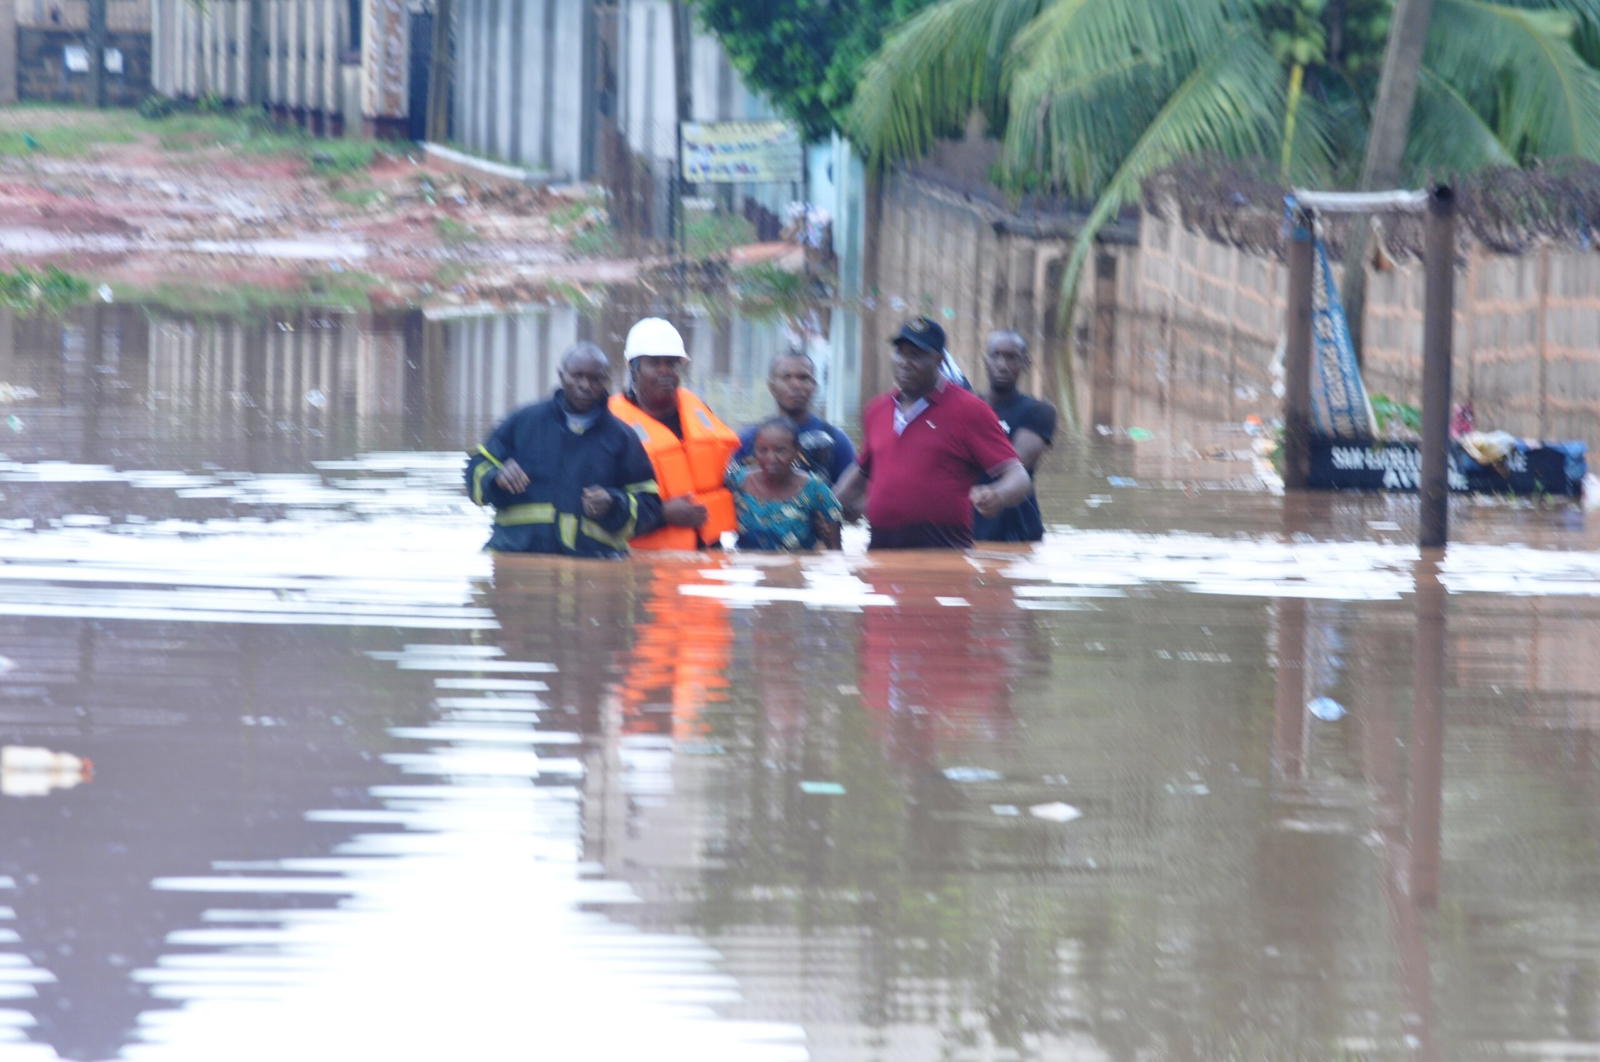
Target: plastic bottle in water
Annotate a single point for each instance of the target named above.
(27, 770)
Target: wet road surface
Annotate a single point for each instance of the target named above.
(1209, 774)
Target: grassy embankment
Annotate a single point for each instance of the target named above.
(58, 132)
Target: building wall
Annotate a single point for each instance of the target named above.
(41, 71)
(205, 52)
(525, 88)
(122, 16)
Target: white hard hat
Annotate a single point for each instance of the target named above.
(653, 337)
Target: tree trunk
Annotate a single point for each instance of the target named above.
(97, 53)
(1386, 139)
(441, 71)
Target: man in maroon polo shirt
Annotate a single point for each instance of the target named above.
(925, 448)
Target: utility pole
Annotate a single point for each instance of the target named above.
(97, 53)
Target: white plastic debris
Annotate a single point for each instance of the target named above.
(1055, 812)
(1326, 708)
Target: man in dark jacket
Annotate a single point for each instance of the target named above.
(566, 476)
(1031, 424)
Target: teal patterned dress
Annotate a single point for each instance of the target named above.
(781, 525)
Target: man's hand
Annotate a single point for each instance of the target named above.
(597, 502)
(851, 490)
(684, 511)
(511, 477)
(986, 500)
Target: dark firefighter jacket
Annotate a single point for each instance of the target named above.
(560, 463)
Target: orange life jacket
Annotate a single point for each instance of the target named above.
(693, 465)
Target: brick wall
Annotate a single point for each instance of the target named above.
(42, 71)
(1527, 331)
(973, 265)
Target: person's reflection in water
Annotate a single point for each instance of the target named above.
(574, 614)
(936, 671)
(937, 667)
(679, 664)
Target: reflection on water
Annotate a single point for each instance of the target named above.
(361, 791)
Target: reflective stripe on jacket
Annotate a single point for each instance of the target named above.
(694, 465)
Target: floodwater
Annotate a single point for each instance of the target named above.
(1209, 774)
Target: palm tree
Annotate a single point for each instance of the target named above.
(1090, 97)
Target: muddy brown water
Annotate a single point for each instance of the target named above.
(360, 791)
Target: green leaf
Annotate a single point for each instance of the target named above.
(1517, 67)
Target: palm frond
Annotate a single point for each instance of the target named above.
(1087, 75)
(1229, 104)
(1448, 135)
(1078, 35)
(932, 72)
(1588, 11)
(1073, 127)
(1518, 68)
(1314, 154)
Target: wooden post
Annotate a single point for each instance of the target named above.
(1437, 339)
(1297, 355)
(1103, 376)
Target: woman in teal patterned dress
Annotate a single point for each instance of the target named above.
(780, 507)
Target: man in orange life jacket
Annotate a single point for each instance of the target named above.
(687, 445)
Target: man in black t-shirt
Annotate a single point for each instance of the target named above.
(1029, 421)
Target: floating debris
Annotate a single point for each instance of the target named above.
(1326, 708)
(971, 774)
(1055, 812)
(28, 771)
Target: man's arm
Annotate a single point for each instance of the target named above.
(493, 475)
(852, 492)
(844, 456)
(636, 502)
(1012, 484)
(1030, 447)
(1033, 438)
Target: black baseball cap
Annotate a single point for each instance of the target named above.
(922, 333)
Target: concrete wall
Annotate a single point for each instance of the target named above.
(525, 89)
(42, 74)
(200, 53)
(122, 16)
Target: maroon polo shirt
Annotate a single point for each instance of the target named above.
(923, 476)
